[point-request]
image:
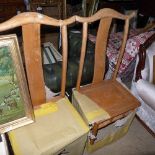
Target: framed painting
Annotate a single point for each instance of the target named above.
(15, 104)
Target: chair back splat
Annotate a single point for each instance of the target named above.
(32, 54)
(100, 49)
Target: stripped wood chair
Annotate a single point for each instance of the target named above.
(103, 101)
(58, 128)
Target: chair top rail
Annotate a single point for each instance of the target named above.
(37, 18)
(33, 18)
(106, 12)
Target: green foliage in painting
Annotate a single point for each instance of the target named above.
(11, 103)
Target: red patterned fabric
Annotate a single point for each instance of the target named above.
(131, 49)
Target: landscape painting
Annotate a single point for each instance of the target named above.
(15, 104)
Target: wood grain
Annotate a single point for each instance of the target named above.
(106, 12)
(33, 62)
(83, 52)
(64, 60)
(100, 49)
(111, 96)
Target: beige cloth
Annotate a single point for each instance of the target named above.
(57, 126)
(146, 91)
(89, 110)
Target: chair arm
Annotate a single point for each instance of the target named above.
(146, 91)
(142, 56)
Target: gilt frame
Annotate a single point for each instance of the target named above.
(15, 103)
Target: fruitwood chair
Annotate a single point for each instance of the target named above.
(57, 127)
(103, 101)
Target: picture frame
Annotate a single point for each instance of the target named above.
(15, 103)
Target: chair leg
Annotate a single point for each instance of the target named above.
(94, 133)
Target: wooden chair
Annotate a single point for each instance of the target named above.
(103, 101)
(57, 127)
